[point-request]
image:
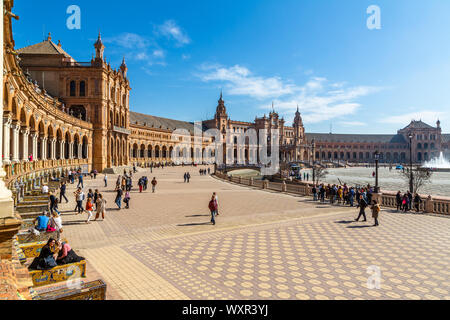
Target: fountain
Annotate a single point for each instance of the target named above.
(438, 164)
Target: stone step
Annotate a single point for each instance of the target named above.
(35, 198)
(58, 274)
(30, 215)
(28, 237)
(27, 203)
(84, 290)
(32, 208)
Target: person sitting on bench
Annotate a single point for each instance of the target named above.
(66, 255)
(46, 259)
(42, 221)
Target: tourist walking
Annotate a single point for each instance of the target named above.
(213, 208)
(154, 183)
(127, 199)
(141, 185)
(79, 197)
(101, 207)
(362, 208)
(62, 192)
(80, 180)
(105, 179)
(375, 212)
(314, 192)
(118, 200)
(52, 200)
(89, 209)
(185, 177)
(216, 197)
(188, 176)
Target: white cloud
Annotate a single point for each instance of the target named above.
(429, 117)
(318, 99)
(171, 30)
(159, 53)
(128, 40)
(353, 123)
(240, 81)
(186, 57)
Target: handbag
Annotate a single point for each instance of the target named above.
(50, 262)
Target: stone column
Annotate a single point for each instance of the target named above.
(71, 150)
(6, 201)
(53, 149)
(25, 133)
(80, 151)
(6, 140)
(44, 148)
(34, 146)
(15, 143)
(62, 150)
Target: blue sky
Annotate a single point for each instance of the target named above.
(317, 54)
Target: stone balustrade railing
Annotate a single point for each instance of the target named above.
(24, 176)
(388, 199)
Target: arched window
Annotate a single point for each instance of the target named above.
(82, 89)
(73, 88)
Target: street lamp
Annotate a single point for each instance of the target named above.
(377, 159)
(313, 146)
(411, 186)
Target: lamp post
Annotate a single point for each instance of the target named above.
(313, 146)
(411, 177)
(377, 159)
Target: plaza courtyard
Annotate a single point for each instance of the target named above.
(265, 245)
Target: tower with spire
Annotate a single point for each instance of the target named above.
(124, 68)
(99, 48)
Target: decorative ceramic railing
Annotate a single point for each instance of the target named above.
(388, 199)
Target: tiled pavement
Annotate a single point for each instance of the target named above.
(266, 245)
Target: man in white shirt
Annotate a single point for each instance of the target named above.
(217, 201)
(79, 196)
(45, 189)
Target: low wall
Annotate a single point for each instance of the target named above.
(388, 199)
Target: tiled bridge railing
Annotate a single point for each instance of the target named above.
(388, 199)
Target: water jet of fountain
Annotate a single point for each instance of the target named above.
(438, 163)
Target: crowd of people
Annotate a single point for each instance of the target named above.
(361, 197)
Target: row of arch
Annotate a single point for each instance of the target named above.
(360, 157)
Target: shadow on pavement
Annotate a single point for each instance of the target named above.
(199, 215)
(359, 227)
(345, 221)
(72, 223)
(194, 224)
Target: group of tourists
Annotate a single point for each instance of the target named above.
(94, 201)
(204, 172)
(72, 175)
(341, 194)
(143, 184)
(405, 202)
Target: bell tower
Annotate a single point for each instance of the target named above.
(99, 48)
(221, 116)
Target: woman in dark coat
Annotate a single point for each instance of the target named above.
(46, 259)
(66, 255)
